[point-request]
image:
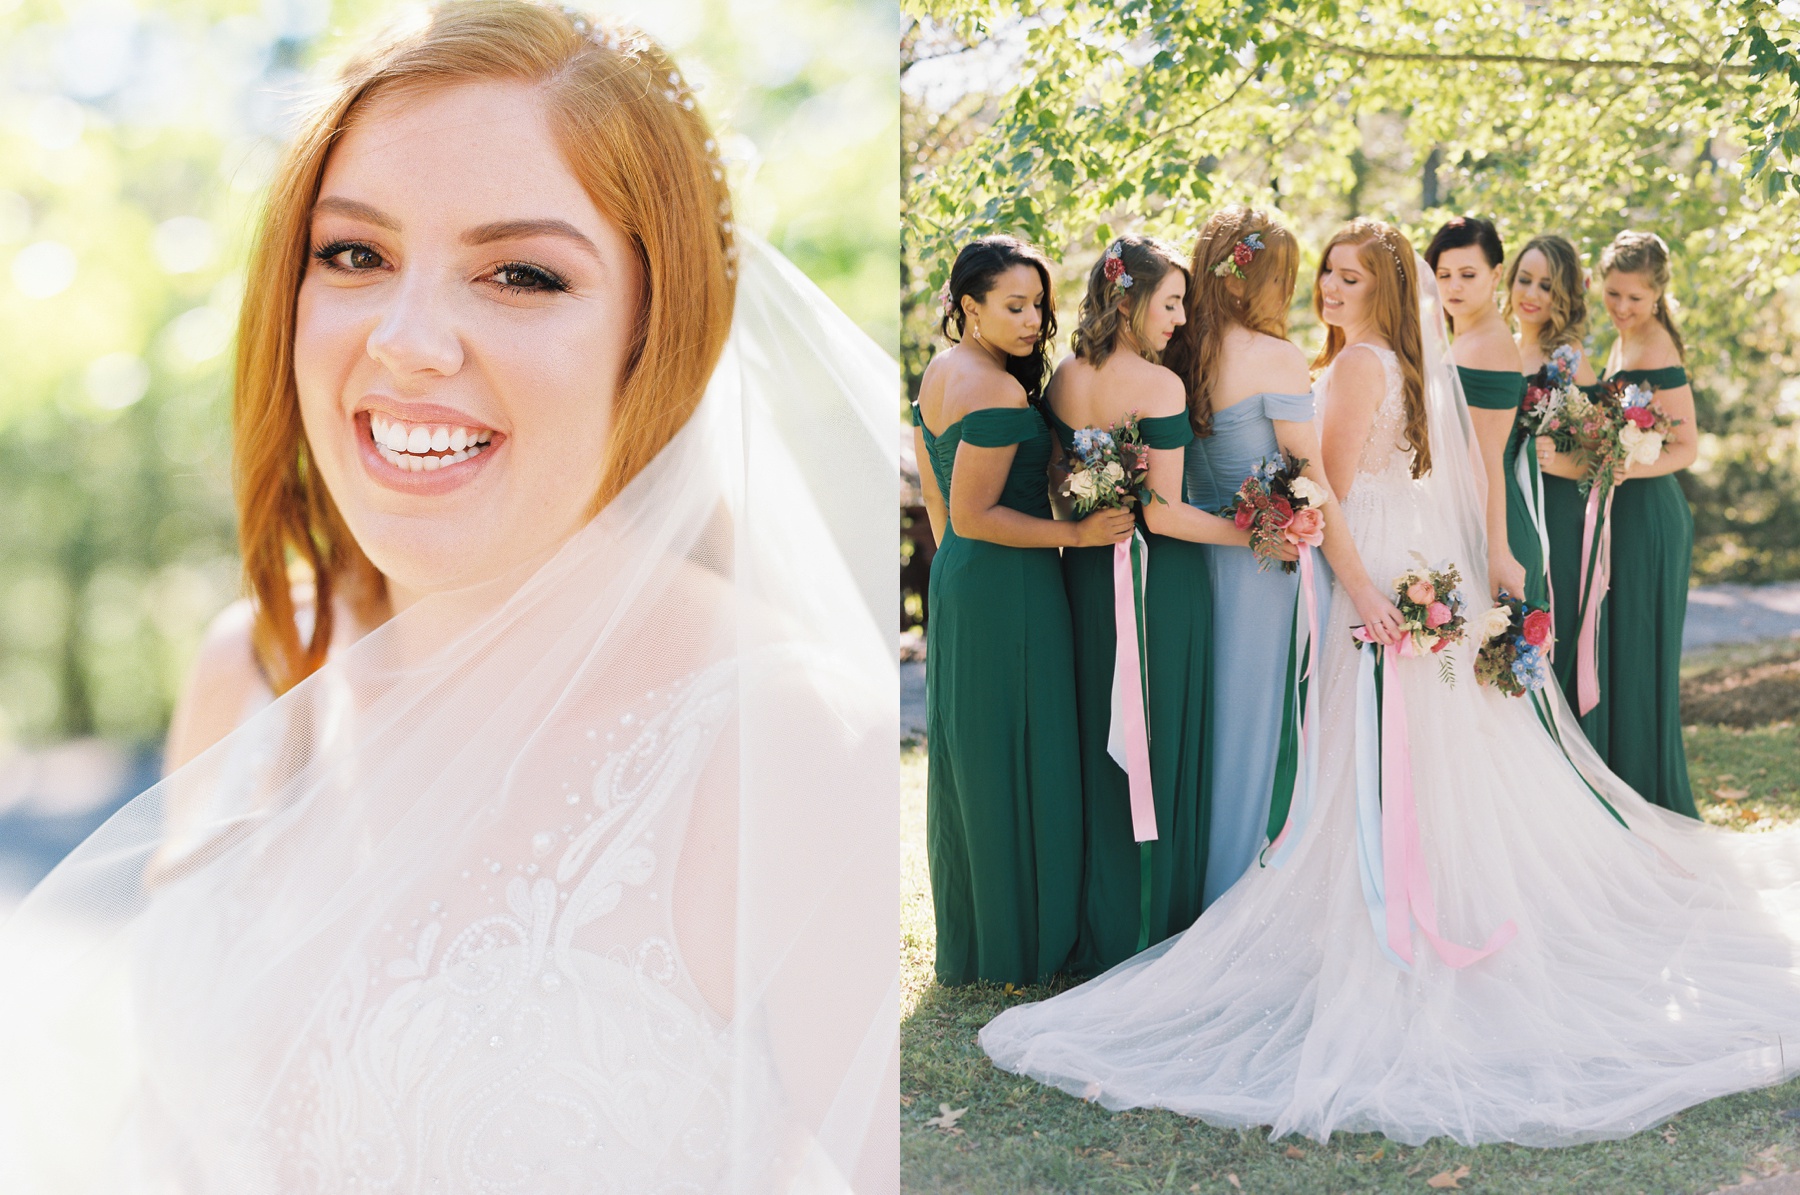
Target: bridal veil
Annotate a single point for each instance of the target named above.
(579, 880)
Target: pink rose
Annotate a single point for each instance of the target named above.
(1306, 527)
(1436, 615)
(1245, 516)
(1537, 628)
(1640, 416)
(1421, 593)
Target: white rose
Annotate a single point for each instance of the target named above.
(1649, 449)
(1495, 622)
(1630, 436)
(1114, 471)
(1308, 491)
(1082, 485)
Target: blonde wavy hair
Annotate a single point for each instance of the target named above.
(1645, 253)
(1259, 301)
(1147, 262)
(632, 135)
(1567, 322)
(1387, 257)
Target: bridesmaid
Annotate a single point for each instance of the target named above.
(1466, 254)
(1132, 307)
(1248, 395)
(1003, 796)
(1653, 535)
(1546, 293)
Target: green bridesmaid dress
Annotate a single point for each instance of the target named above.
(1003, 795)
(1502, 390)
(1565, 509)
(1116, 917)
(1641, 624)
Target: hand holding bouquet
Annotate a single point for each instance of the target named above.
(1431, 614)
(1515, 634)
(1110, 468)
(1279, 506)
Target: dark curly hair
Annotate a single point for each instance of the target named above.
(978, 265)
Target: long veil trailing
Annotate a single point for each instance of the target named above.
(578, 880)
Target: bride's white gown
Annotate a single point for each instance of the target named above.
(1653, 968)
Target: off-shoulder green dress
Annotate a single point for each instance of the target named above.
(1503, 390)
(1641, 623)
(1003, 794)
(1636, 726)
(1178, 639)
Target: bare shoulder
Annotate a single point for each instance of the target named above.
(1492, 351)
(1162, 392)
(220, 687)
(1659, 350)
(1359, 372)
(1283, 363)
(974, 389)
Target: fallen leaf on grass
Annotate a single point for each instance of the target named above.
(1730, 794)
(906, 1101)
(1295, 1152)
(946, 1119)
(1374, 1157)
(1232, 1179)
(1448, 1180)
(1668, 1134)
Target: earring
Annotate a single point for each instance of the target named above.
(978, 339)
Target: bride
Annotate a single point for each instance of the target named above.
(547, 843)
(1586, 979)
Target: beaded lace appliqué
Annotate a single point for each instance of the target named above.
(499, 1055)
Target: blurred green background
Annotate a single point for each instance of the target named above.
(135, 143)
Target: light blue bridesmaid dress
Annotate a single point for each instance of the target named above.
(1253, 612)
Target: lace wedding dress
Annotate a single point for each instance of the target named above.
(579, 881)
(1653, 967)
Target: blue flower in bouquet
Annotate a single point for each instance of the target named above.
(1635, 396)
(1090, 442)
(1267, 469)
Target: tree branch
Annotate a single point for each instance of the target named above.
(1575, 64)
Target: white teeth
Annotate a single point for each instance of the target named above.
(418, 440)
(440, 439)
(433, 463)
(459, 440)
(396, 437)
(406, 447)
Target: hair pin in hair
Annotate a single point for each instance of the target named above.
(1242, 254)
(1115, 266)
(1392, 252)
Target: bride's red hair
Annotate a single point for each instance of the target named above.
(631, 134)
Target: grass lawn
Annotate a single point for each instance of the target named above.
(1019, 1136)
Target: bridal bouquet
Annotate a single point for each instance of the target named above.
(1514, 637)
(1431, 614)
(1110, 469)
(1278, 504)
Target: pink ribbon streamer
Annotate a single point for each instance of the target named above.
(1406, 885)
(1126, 663)
(1587, 661)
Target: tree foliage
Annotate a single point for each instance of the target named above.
(1680, 116)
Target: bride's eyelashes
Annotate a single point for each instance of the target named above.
(513, 277)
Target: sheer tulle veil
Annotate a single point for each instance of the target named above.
(594, 862)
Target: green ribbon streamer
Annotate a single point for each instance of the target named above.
(1541, 707)
(1287, 754)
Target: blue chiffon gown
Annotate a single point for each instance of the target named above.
(1253, 613)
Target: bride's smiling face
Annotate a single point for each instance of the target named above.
(463, 324)
(1345, 287)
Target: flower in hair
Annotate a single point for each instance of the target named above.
(1114, 267)
(1242, 254)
